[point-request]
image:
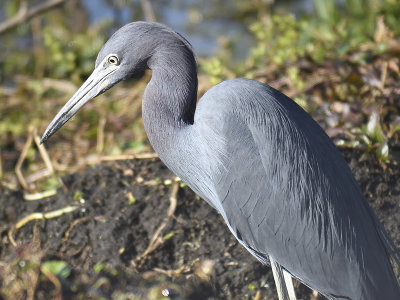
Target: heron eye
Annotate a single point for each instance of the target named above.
(113, 60)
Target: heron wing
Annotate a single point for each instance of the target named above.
(285, 191)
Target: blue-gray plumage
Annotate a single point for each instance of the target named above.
(252, 153)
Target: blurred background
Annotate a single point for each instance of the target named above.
(338, 59)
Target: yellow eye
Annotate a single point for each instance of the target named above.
(113, 60)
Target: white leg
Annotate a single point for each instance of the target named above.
(279, 280)
(289, 285)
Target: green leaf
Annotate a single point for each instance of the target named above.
(131, 199)
(58, 268)
(99, 267)
(78, 196)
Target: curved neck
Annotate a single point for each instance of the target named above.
(169, 104)
(169, 101)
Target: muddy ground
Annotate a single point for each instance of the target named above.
(120, 207)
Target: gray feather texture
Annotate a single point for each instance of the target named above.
(252, 153)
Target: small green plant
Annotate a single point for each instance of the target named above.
(377, 138)
(131, 199)
(71, 55)
(214, 69)
(99, 267)
(58, 268)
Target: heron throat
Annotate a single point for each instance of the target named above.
(169, 101)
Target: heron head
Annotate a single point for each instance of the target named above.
(123, 56)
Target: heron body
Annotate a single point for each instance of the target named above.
(259, 159)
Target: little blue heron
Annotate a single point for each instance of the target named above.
(259, 159)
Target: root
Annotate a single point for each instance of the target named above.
(38, 216)
(156, 240)
(73, 224)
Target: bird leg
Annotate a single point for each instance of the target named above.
(289, 285)
(279, 280)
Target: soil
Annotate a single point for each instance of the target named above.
(120, 206)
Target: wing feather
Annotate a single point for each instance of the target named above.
(286, 191)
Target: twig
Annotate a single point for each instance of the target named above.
(11, 237)
(43, 152)
(38, 255)
(73, 224)
(148, 11)
(33, 136)
(384, 74)
(39, 196)
(24, 14)
(57, 284)
(45, 155)
(59, 84)
(171, 273)
(94, 159)
(156, 240)
(127, 157)
(47, 215)
(100, 135)
(21, 159)
(9, 185)
(38, 175)
(314, 295)
(257, 296)
(1, 166)
(38, 216)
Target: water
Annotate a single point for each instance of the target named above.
(202, 22)
(205, 23)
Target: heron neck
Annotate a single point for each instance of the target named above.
(169, 101)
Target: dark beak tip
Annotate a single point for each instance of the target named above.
(44, 138)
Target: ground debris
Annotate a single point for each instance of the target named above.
(101, 241)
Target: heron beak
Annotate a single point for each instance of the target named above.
(96, 84)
